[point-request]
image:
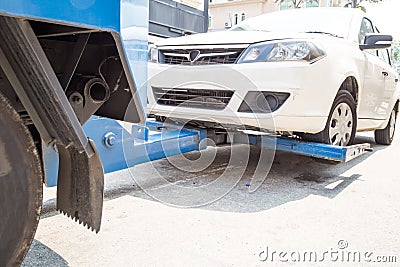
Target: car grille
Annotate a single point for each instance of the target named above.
(193, 98)
(205, 56)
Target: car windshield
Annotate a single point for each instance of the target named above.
(333, 21)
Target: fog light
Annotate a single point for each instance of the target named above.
(262, 102)
(272, 101)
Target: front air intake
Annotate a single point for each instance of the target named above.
(193, 98)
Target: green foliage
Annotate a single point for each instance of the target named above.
(396, 55)
(298, 3)
(357, 3)
(351, 3)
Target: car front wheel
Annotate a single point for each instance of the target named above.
(341, 125)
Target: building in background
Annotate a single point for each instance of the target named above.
(224, 14)
(173, 18)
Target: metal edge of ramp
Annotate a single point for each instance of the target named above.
(316, 150)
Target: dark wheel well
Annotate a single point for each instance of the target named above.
(343, 96)
(350, 84)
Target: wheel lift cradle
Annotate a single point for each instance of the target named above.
(123, 145)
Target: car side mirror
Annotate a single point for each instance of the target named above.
(377, 41)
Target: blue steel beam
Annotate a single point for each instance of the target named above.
(121, 146)
(311, 149)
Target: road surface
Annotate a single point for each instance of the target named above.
(306, 212)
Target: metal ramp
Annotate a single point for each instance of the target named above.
(312, 149)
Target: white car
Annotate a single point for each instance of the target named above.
(318, 73)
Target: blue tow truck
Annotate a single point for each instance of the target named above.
(72, 98)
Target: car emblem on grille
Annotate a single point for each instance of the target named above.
(194, 55)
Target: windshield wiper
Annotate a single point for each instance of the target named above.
(328, 33)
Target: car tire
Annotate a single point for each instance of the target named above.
(385, 136)
(20, 186)
(341, 126)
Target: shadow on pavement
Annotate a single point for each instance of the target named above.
(292, 177)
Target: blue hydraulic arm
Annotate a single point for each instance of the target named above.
(123, 145)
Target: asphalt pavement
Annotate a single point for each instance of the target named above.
(306, 212)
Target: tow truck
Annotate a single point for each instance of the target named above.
(72, 109)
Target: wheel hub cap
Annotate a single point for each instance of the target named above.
(341, 125)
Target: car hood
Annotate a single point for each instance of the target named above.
(232, 37)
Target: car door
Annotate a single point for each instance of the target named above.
(376, 74)
(390, 78)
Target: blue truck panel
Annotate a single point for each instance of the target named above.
(134, 32)
(104, 14)
(129, 18)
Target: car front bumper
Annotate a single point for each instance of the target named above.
(311, 87)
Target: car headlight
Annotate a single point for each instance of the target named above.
(153, 54)
(282, 51)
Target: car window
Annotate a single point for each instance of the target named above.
(366, 27)
(384, 55)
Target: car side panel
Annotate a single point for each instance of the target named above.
(373, 104)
